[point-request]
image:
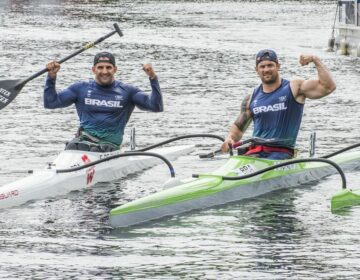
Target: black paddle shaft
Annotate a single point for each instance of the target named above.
(87, 46)
(9, 89)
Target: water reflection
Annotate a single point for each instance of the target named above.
(278, 230)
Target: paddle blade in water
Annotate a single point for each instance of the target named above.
(345, 198)
(9, 89)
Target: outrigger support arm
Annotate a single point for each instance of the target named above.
(179, 138)
(342, 150)
(337, 167)
(127, 154)
(261, 171)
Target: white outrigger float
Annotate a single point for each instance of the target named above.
(75, 170)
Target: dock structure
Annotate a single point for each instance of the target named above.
(347, 26)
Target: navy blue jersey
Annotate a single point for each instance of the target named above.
(103, 110)
(276, 115)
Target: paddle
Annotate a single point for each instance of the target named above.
(253, 140)
(234, 146)
(9, 89)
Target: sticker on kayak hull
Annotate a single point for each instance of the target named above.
(90, 172)
(244, 170)
(9, 194)
(286, 167)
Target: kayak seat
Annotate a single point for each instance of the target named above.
(242, 150)
(79, 144)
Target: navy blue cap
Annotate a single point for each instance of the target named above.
(104, 57)
(266, 54)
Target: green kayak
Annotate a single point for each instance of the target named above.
(212, 189)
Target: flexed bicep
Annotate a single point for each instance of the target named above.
(316, 88)
(312, 89)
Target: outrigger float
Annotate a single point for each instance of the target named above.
(241, 177)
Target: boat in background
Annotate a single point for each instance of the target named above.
(347, 24)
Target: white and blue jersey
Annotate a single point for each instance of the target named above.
(103, 110)
(276, 115)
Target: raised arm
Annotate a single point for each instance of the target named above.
(313, 88)
(240, 125)
(52, 99)
(154, 101)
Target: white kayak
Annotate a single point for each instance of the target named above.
(49, 182)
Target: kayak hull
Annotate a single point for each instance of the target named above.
(47, 182)
(210, 190)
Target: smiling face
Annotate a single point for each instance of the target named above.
(104, 73)
(268, 71)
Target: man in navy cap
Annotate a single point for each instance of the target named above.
(104, 105)
(276, 106)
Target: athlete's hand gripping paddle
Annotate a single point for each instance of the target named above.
(9, 89)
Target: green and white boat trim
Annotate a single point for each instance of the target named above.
(211, 189)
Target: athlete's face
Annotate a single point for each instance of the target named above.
(268, 71)
(104, 73)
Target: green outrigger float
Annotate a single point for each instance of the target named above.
(241, 177)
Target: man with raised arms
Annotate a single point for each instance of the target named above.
(276, 106)
(104, 105)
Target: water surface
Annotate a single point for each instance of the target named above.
(203, 52)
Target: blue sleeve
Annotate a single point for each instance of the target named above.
(65, 98)
(152, 102)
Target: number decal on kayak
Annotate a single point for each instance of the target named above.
(90, 175)
(89, 172)
(244, 170)
(286, 167)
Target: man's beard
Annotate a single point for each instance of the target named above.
(271, 81)
(105, 81)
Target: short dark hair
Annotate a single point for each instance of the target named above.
(104, 57)
(266, 54)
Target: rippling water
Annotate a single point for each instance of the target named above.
(203, 52)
